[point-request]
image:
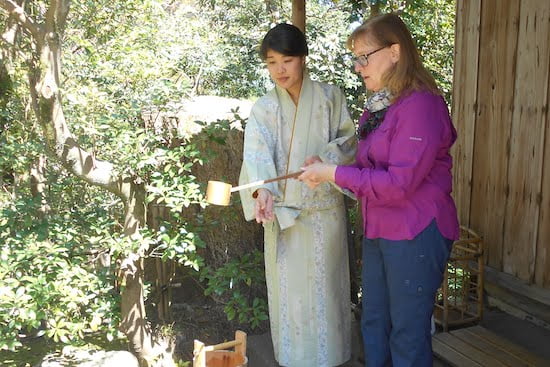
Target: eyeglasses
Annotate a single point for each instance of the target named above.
(363, 60)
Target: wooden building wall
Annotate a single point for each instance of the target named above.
(500, 109)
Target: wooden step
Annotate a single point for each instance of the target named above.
(476, 346)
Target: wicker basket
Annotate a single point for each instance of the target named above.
(459, 301)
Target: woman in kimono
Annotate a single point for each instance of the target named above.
(299, 122)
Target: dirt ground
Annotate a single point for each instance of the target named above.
(203, 319)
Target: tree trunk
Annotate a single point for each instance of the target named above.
(6, 85)
(299, 14)
(5, 88)
(44, 77)
(150, 351)
(38, 184)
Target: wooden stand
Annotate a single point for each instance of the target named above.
(459, 301)
(216, 356)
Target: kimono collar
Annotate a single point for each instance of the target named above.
(298, 118)
(285, 96)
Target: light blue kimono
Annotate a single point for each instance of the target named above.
(306, 256)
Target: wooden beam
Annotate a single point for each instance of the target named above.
(299, 14)
(517, 285)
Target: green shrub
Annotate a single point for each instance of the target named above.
(235, 284)
(47, 283)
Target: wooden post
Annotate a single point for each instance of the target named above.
(199, 354)
(299, 14)
(240, 336)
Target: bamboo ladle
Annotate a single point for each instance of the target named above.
(219, 193)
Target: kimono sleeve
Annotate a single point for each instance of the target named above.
(258, 158)
(342, 146)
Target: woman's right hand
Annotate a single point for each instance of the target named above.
(263, 208)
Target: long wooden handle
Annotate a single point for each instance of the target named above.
(261, 182)
(225, 345)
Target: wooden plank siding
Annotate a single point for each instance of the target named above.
(500, 108)
(526, 147)
(542, 265)
(465, 93)
(495, 100)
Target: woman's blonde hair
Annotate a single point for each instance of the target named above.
(408, 74)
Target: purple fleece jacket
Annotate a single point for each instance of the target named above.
(402, 173)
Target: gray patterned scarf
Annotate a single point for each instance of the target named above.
(377, 105)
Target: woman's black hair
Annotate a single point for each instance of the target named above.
(286, 39)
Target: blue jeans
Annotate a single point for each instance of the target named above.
(400, 279)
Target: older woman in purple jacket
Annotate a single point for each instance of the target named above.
(402, 176)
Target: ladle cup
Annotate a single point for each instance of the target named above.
(219, 193)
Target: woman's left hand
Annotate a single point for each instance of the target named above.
(317, 173)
